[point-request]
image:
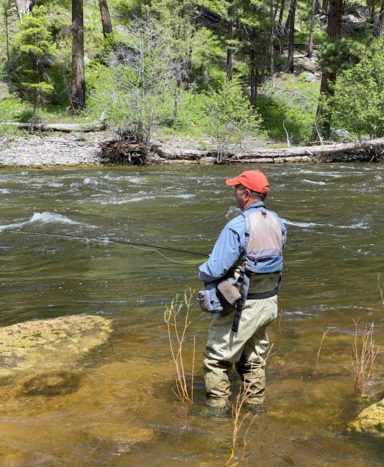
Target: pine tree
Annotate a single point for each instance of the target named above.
(32, 54)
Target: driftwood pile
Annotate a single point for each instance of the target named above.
(123, 151)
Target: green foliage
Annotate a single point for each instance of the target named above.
(358, 103)
(143, 79)
(11, 109)
(339, 54)
(32, 52)
(289, 107)
(192, 118)
(180, 84)
(231, 116)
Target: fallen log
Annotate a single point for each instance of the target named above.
(371, 150)
(100, 125)
(127, 151)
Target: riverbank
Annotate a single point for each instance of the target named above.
(58, 149)
(84, 149)
(50, 150)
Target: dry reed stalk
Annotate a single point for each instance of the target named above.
(380, 290)
(269, 352)
(319, 351)
(177, 335)
(364, 355)
(281, 312)
(238, 421)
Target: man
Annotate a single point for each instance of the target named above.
(250, 246)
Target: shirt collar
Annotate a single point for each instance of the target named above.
(258, 204)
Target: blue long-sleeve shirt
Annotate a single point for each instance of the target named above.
(229, 248)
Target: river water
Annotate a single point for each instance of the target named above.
(124, 411)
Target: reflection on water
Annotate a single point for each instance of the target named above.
(122, 410)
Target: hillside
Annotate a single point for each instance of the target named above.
(208, 71)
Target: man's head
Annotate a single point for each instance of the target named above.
(250, 186)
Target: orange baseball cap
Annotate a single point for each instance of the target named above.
(252, 179)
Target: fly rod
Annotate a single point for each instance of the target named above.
(117, 242)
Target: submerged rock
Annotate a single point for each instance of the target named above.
(54, 383)
(118, 437)
(370, 420)
(49, 344)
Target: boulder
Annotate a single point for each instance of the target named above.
(370, 420)
(49, 345)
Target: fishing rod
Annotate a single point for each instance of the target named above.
(117, 242)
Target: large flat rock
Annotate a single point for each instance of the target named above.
(50, 344)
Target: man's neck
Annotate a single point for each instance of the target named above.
(251, 202)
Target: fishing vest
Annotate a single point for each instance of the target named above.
(262, 262)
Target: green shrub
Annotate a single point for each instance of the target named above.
(358, 103)
(231, 117)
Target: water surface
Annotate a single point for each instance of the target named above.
(124, 411)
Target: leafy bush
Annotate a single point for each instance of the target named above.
(231, 117)
(358, 103)
(288, 108)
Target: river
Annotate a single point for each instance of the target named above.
(124, 411)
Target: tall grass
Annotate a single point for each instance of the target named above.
(319, 350)
(238, 423)
(364, 353)
(176, 318)
(239, 427)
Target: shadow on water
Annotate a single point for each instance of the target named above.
(114, 404)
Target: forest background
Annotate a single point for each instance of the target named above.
(294, 71)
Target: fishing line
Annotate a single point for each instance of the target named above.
(136, 245)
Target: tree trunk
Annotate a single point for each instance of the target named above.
(23, 7)
(78, 79)
(253, 77)
(6, 28)
(311, 30)
(291, 35)
(230, 52)
(335, 11)
(310, 44)
(379, 27)
(229, 68)
(105, 18)
(272, 15)
(280, 29)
